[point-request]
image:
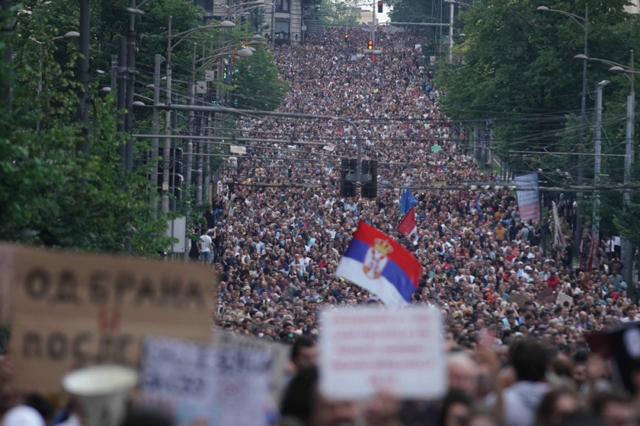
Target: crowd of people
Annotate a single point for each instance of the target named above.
(518, 355)
(280, 226)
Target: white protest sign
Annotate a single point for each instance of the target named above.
(366, 350)
(277, 354)
(238, 149)
(562, 297)
(196, 383)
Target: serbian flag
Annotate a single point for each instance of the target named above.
(408, 225)
(380, 265)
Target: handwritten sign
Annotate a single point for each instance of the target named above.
(365, 350)
(518, 299)
(545, 296)
(200, 384)
(276, 353)
(562, 297)
(73, 310)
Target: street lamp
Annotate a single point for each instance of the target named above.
(67, 36)
(167, 142)
(598, 158)
(452, 3)
(629, 72)
(583, 22)
(243, 53)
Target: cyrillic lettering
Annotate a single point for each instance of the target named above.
(57, 346)
(67, 291)
(32, 345)
(37, 283)
(98, 292)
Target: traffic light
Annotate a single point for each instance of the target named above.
(370, 188)
(379, 6)
(348, 188)
(370, 45)
(346, 38)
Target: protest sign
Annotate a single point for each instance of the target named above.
(518, 299)
(546, 296)
(238, 149)
(277, 354)
(366, 350)
(196, 383)
(73, 310)
(528, 200)
(562, 297)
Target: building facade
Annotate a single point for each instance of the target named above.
(283, 17)
(634, 7)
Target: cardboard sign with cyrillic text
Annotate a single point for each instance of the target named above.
(364, 351)
(72, 310)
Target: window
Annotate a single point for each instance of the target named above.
(282, 6)
(282, 29)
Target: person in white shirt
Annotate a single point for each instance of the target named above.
(632, 315)
(205, 247)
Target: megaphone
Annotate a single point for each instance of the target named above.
(102, 392)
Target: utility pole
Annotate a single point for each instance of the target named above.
(373, 22)
(188, 143)
(131, 66)
(451, 12)
(174, 146)
(199, 163)
(82, 146)
(155, 128)
(122, 82)
(114, 71)
(598, 158)
(207, 168)
(7, 26)
(167, 130)
(627, 246)
(583, 118)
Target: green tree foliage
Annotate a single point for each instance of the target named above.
(414, 10)
(256, 82)
(49, 196)
(338, 13)
(519, 75)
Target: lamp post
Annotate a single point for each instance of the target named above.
(583, 22)
(69, 35)
(451, 15)
(167, 142)
(629, 72)
(598, 158)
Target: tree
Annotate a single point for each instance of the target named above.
(520, 80)
(256, 82)
(338, 13)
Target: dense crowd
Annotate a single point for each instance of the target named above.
(279, 228)
(517, 354)
(279, 225)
